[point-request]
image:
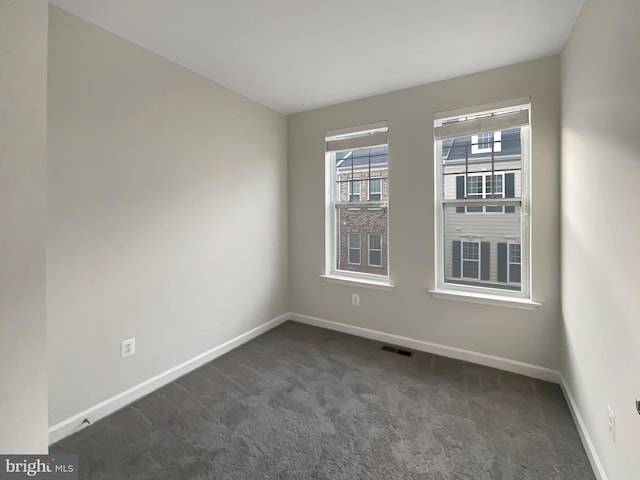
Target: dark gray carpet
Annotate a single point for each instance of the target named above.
(306, 403)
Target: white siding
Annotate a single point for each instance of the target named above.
(481, 227)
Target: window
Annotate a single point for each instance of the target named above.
(470, 261)
(486, 142)
(375, 189)
(354, 248)
(375, 250)
(483, 185)
(354, 190)
(509, 263)
(513, 269)
(482, 165)
(357, 162)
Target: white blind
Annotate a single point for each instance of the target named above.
(476, 126)
(357, 138)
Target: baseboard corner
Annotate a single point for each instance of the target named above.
(77, 422)
(513, 366)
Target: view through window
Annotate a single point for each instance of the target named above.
(482, 161)
(358, 164)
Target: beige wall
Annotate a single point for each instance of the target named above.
(409, 310)
(23, 129)
(601, 227)
(167, 214)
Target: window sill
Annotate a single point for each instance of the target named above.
(486, 299)
(360, 282)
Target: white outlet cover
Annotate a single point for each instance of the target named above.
(128, 347)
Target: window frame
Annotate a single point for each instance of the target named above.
(466, 292)
(332, 249)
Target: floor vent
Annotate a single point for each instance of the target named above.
(399, 351)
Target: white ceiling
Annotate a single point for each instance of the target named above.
(295, 55)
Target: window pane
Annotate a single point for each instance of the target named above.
(354, 190)
(368, 169)
(514, 273)
(375, 189)
(485, 140)
(470, 251)
(354, 240)
(485, 168)
(514, 253)
(471, 247)
(470, 269)
(361, 227)
(375, 258)
(465, 172)
(474, 185)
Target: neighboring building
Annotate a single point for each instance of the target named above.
(362, 180)
(477, 251)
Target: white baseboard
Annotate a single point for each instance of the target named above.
(74, 423)
(588, 445)
(110, 405)
(513, 366)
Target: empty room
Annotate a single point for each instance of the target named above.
(346, 239)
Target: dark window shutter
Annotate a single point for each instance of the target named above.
(510, 190)
(485, 260)
(457, 251)
(502, 262)
(460, 191)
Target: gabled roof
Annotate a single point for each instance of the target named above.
(378, 156)
(457, 148)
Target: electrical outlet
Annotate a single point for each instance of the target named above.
(355, 299)
(612, 425)
(128, 347)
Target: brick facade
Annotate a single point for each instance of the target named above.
(364, 220)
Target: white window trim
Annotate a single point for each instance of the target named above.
(497, 144)
(331, 273)
(369, 250)
(484, 299)
(486, 295)
(361, 280)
